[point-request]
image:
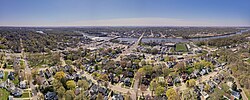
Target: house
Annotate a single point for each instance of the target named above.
(130, 74)
(117, 97)
(177, 80)
(170, 81)
(203, 71)
(197, 91)
(77, 91)
(41, 73)
(217, 80)
(201, 86)
(94, 89)
(1, 74)
(145, 81)
(47, 73)
(23, 85)
(17, 92)
(235, 94)
(127, 82)
(195, 74)
(11, 76)
(204, 94)
(10, 97)
(116, 79)
(161, 80)
(103, 91)
(211, 84)
(50, 96)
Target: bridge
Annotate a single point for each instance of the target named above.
(131, 48)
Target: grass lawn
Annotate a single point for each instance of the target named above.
(4, 94)
(216, 95)
(247, 93)
(5, 76)
(25, 95)
(248, 60)
(16, 81)
(9, 67)
(22, 64)
(180, 47)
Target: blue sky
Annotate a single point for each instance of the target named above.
(124, 12)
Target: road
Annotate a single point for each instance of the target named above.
(118, 88)
(27, 71)
(129, 50)
(243, 94)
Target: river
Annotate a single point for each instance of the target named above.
(177, 40)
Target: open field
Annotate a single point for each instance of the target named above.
(180, 47)
(4, 94)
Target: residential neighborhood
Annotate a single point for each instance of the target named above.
(128, 70)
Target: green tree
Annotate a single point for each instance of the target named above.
(166, 71)
(83, 84)
(180, 67)
(172, 94)
(59, 75)
(189, 94)
(104, 77)
(203, 64)
(143, 62)
(153, 85)
(71, 84)
(207, 87)
(148, 69)
(166, 59)
(191, 83)
(234, 86)
(56, 84)
(69, 95)
(99, 97)
(60, 92)
(159, 90)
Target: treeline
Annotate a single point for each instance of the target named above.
(220, 42)
(39, 42)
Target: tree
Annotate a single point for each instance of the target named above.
(189, 94)
(60, 92)
(83, 84)
(166, 71)
(234, 86)
(154, 51)
(69, 95)
(99, 97)
(82, 96)
(59, 75)
(191, 83)
(207, 87)
(143, 62)
(127, 96)
(203, 64)
(159, 90)
(104, 77)
(148, 69)
(140, 73)
(56, 84)
(40, 96)
(166, 59)
(34, 72)
(180, 66)
(123, 64)
(153, 85)
(172, 94)
(71, 84)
